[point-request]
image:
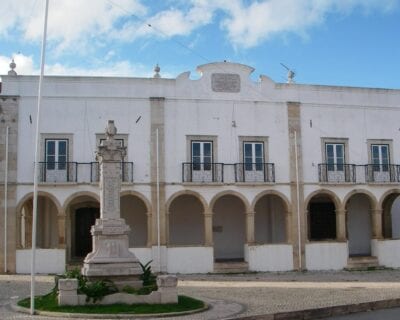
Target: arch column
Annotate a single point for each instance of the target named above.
(208, 228)
(340, 225)
(167, 222)
(149, 229)
(250, 227)
(376, 219)
(288, 226)
(61, 230)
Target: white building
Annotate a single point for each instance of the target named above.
(265, 175)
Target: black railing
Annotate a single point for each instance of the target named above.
(82, 172)
(58, 172)
(202, 172)
(337, 172)
(382, 173)
(254, 172)
(126, 171)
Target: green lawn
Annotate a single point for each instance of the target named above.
(49, 303)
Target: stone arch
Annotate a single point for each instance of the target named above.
(370, 195)
(322, 208)
(389, 207)
(334, 197)
(271, 192)
(81, 208)
(49, 217)
(233, 225)
(186, 219)
(361, 221)
(271, 218)
(78, 194)
(135, 209)
(187, 192)
(230, 193)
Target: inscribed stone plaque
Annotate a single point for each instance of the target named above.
(225, 82)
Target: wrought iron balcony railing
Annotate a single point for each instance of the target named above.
(382, 173)
(58, 172)
(202, 172)
(254, 172)
(83, 172)
(337, 172)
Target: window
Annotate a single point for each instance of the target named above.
(253, 156)
(334, 153)
(202, 155)
(380, 157)
(56, 154)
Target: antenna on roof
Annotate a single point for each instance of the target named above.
(290, 75)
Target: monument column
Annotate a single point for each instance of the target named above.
(110, 257)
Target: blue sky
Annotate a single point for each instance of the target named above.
(336, 42)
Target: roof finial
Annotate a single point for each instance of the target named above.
(157, 71)
(12, 66)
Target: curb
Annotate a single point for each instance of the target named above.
(324, 312)
(108, 316)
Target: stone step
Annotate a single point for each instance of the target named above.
(231, 267)
(362, 263)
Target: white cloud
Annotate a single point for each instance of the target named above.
(83, 26)
(247, 26)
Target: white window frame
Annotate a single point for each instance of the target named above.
(253, 165)
(58, 163)
(205, 161)
(338, 161)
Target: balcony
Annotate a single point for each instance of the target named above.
(203, 172)
(382, 173)
(337, 173)
(78, 172)
(351, 173)
(254, 172)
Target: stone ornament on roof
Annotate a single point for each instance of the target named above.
(13, 65)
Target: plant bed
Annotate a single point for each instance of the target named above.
(49, 302)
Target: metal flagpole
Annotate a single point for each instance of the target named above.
(158, 204)
(35, 171)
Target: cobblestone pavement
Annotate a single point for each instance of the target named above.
(235, 296)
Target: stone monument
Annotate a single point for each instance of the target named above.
(110, 257)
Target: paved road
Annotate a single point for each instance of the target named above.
(388, 314)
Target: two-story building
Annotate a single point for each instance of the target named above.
(221, 172)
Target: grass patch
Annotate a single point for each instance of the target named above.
(48, 302)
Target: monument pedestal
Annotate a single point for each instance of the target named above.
(110, 258)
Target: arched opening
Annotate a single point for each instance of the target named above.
(134, 211)
(229, 221)
(359, 231)
(47, 236)
(321, 218)
(391, 216)
(82, 213)
(186, 221)
(270, 220)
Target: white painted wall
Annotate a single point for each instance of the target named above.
(190, 260)
(48, 261)
(276, 257)
(387, 252)
(326, 256)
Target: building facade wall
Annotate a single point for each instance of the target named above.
(294, 122)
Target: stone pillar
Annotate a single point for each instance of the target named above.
(341, 225)
(61, 230)
(167, 286)
(297, 205)
(250, 227)
(68, 292)
(111, 258)
(149, 229)
(208, 232)
(288, 227)
(376, 219)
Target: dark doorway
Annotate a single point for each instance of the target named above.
(322, 221)
(84, 219)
